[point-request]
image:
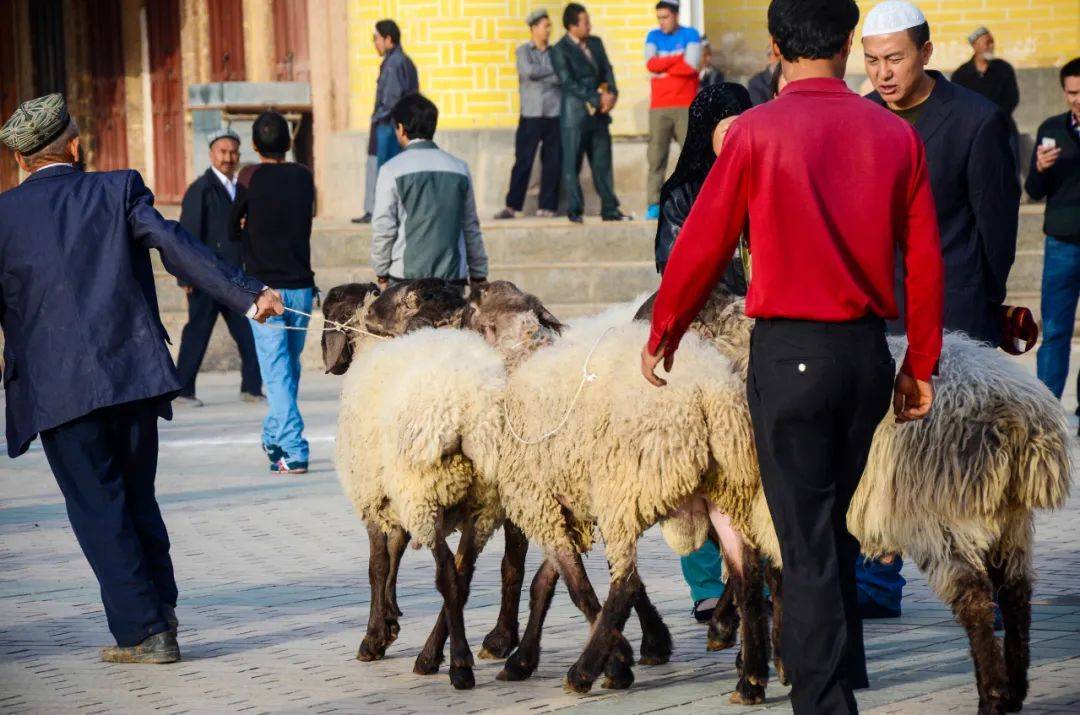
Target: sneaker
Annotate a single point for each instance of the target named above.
(366, 218)
(273, 453)
(505, 214)
(248, 397)
(285, 466)
(545, 213)
(158, 649)
(187, 401)
(575, 218)
(653, 212)
(618, 216)
(703, 609)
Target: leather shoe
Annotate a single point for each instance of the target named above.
(575, 218)
(158, 649)
(620, 216)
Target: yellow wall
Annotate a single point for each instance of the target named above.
(464, 53)
(1029, 33)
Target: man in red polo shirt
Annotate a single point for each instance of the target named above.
(830, 185)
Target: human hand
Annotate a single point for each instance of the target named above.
(607, 102)
(650, 361)
(383, 283)
(720, 132)
(1045, 157)
(476, 284)
(911, 398)
(267, 305)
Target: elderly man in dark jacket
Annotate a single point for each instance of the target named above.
(205, 213)
(86, 365)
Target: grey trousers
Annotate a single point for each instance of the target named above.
(665, 124)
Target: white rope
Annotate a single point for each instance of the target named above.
(326, 320)
(586, 378)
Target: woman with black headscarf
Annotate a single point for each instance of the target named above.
(710, 108)
(713, 105)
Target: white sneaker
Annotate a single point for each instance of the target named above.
(185, 401)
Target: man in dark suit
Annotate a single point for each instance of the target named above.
(976, 194)
(588, 96)
(86, 365)
(205, 214)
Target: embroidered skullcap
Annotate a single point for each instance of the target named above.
(225, 133)
(35, 123)
(979, 32)
(536, 16)
(892, 16)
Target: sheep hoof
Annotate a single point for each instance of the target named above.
(516, 668)
(715, 644)
(498, 645)
(747, 693)
(653, 659)
(575, 682)
(370, 649)
(461, 677)
(992, 706)
(393, 629)
(1014, 704)
(425, 665)
(622, 681)
(655, 653)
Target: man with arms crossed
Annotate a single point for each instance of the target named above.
(856, 187)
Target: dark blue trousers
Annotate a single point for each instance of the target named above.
(533, 133)
(105, 464)
(203, 312)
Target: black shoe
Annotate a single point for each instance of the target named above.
(575, 218)
(618, 216)
(366, 218)
(158, 649)
(703, 609)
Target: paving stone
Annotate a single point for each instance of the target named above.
(274, 596)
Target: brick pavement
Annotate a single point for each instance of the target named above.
(273, 582)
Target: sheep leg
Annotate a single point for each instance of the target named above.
(1014, 596)
(503, 638)
(655, 637)
(724, 625)
(522, 662)
(603, 644)
(396, 544)
(431, 655)
(454, 591)
(973, 606)
(753, 663)
(774, 578)
(378, 635)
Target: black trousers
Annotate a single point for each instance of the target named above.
(591, 138)
(105, 464)
(203, 312)
(817, 392)
(534, 132)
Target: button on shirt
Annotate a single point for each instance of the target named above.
(229, 184)
(831, 184)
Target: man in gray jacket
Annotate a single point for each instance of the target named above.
(425, 223)
(539, 122)
(397, 78)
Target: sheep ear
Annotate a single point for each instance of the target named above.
(546, 318)
(334, 344)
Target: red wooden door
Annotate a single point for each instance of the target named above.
(109, 138)
(291, 41)
(227, 41)
(166, 94)
(9, 93)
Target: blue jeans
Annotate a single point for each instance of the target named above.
(1060, 290)
(881, 587)
(701, 570)
(386, 144)
(279, 362)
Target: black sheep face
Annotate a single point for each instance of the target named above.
(340, 306)
(421, 303)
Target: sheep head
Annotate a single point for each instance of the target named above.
(421, 303)
(343, 304)
(511, 320)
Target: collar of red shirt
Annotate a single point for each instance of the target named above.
(815, 84)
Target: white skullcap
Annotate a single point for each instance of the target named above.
(892, 16)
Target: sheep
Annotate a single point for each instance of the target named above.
(955, 492)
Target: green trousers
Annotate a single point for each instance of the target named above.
(701, 570)
(591, 139)
(665, 124)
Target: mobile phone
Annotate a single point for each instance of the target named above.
(1048, 143)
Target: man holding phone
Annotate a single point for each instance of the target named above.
(1055, 176)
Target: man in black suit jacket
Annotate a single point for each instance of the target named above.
(977, 197)
(588, 96)
(86, 365)
(205, 213)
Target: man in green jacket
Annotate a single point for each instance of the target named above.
(588, 96)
